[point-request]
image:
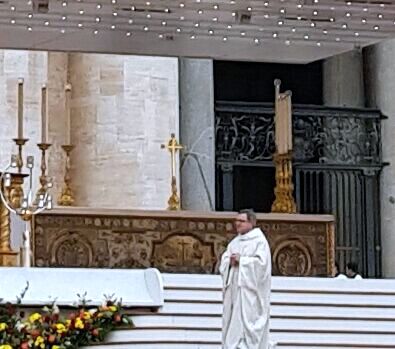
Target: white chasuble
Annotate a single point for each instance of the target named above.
(247, 292)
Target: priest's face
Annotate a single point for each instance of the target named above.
(242, 224)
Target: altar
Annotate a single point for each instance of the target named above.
(175, 241)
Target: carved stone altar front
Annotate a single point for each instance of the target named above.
(180, 242)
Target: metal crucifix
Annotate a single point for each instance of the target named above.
(173, 146)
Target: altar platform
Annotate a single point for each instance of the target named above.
(306, 313)
(184, 311)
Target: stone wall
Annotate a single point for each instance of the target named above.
(122, 109)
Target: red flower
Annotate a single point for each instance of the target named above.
(35, 333)
(51, 338)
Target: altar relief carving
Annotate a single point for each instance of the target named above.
(176, 242)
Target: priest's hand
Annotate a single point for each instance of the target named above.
(234, 259)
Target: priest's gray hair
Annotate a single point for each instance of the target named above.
(251, 215)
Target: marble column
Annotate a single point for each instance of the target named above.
(122, 109)
(380, 82)
(343, 83)
(57, 79)
(197, 133)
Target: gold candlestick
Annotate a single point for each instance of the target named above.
(67, 196)
(284, 202)
(172, 146)
(20, 142)
(43, 177)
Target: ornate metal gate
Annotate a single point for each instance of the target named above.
(337, 164)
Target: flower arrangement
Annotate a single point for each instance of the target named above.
(49, 329)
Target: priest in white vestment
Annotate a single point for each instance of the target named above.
(246, 273)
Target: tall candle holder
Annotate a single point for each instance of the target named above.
(284, 201)
(43, 177)
(30, 204)
(67, 196)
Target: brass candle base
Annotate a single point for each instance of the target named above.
(9, 259)
(174, 200)
(16, 190)
(284, 202)
(67, 196)
(20, 142)
(14, 194)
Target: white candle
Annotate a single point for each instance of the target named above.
(289, 115)
(20, 108)
(44, 115)
(68, 114)
(282, 125)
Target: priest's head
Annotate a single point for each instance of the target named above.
(245, 221)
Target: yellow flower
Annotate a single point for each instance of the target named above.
(34, 317)
(39, 342)
(86, 315)
(60, 328)
(3, 326)
(55, 347)
(112, 308)
(78, 323)
(5, 346)
(68, 322)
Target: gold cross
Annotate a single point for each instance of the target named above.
(172, 146)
